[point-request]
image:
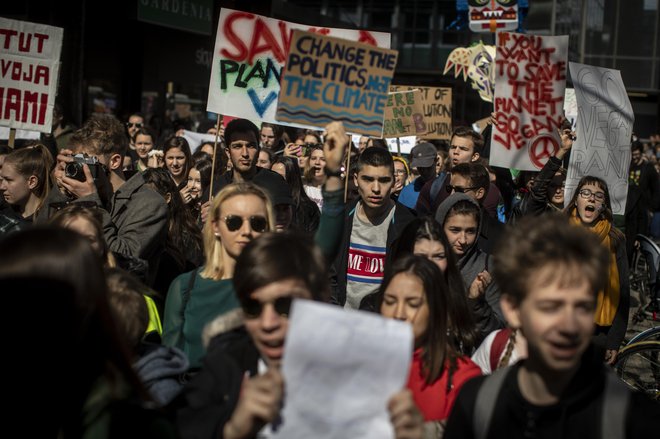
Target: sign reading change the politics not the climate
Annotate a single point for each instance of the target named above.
(604, 127)
(530, 78)
(330, 79)
(29, 65)
(250, 52)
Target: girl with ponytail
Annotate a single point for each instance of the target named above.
(25, 181)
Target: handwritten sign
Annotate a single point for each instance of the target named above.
(436, 103)
(604, 128)
(250, 52)
(404, 114)
(331, 357)
(530, 78)
(331, 79)
(29, 66)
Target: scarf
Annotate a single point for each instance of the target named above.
(608, 299)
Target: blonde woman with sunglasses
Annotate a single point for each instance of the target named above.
(240, 213)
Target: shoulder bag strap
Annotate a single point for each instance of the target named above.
(484, 405)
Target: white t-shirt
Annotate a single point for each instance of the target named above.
(366, 257)
(315, 194)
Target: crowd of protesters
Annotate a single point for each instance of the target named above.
(166, 272)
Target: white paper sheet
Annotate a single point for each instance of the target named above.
(340, 370)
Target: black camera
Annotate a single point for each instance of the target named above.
(75, 168)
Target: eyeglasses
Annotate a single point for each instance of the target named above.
(136, 125)
(258, 223)
(587, 193)
(253, 308)
(240, 145)
(400, 171)
(458, 189)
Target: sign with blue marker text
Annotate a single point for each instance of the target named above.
(329, 79)
(250, 52)
(604, 128)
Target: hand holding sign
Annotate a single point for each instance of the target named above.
(259, 404)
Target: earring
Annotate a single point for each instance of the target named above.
(217, 234)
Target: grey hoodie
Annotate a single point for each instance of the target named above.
(488, 313)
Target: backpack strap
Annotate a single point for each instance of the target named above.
(615, 407)
(484, 405)
(498, 346)
(186, 293)
(436, 186)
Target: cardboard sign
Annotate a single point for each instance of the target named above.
(436, 103)
(604, 129)
(404, 115)
(29, 66)
(330, 79)
(250, 52)
(530, 78)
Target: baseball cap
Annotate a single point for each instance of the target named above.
(423, 155)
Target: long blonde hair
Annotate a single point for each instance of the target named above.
(214, 266)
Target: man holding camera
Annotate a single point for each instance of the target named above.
(134, 215)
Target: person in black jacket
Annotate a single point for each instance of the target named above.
(372, 224)
(239, 391)
(551, 273)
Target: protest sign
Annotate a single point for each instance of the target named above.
(570, 107)
(530, 78)
(436, 103)
(250, 51)
(29, 61)
(404, 114)
(196, 139)
(330, 79)
(404, 146)
(604, 129)
(331, 357)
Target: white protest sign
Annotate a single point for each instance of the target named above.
(530, 79)
(20, 134)
(29, 66)
(570, 107)
(604, 129)
(340, 370)
(250, 52)
(196, 139)
(405, 144)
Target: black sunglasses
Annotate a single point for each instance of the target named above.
(253, 308)
(459, 189)
(258, 223)
(137, 125)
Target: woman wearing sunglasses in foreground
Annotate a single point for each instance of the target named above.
(239, 391)
(590, 207)
(240, 213)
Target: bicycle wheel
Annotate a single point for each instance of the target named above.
(638, 365)
(650, 334)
